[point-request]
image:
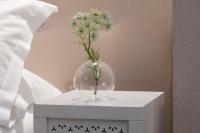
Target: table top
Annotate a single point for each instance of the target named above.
(117, 99)
(125, 105)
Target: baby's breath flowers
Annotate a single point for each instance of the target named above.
(87, 26)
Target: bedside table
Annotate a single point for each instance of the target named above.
(129, 112)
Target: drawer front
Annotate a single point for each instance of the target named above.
(86, 126)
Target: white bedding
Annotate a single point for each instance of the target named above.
(19, 88)
(19, 20)
(28, 123)
(32, 89)
(22, 126)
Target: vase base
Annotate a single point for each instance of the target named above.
(94, 98)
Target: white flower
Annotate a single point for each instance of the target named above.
(87, 26)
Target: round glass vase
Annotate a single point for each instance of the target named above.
(94, 81)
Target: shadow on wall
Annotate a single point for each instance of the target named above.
(138, 48)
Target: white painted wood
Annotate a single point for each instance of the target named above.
(83, 126)
(139, 127)
(40, 125)
(131, 126)
(134, 105)
(142, 111)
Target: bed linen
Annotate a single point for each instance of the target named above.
(32, 89)
(21, 126)
(19, 20)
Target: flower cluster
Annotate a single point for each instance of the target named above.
(87, 26)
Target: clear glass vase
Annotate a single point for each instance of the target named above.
(94, 81)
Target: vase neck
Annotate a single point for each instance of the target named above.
(96, 61)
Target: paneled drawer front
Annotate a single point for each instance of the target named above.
(86, 126)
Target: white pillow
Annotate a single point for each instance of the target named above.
(33, 88)
(19, 19)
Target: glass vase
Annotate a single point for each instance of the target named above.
(94, 81)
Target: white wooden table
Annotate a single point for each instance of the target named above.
(129, 112)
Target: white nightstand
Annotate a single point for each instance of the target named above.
(130, 112)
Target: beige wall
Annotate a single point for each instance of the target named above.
(138, 48)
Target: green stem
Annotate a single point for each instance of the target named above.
(88, 52)
(86, 49)
(96, 85)
(89, 39)
(96, 75)
(93, 56)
